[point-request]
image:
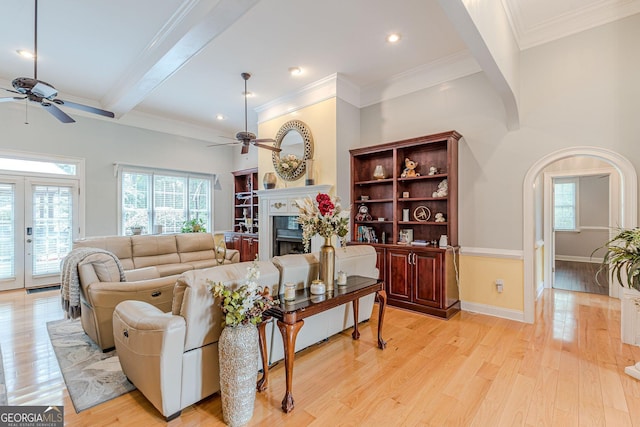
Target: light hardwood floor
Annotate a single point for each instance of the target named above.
(472, 370)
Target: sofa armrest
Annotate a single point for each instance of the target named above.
(158, 292)
(147, 318)
(150, 346)
(233, 256)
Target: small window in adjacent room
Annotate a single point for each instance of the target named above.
(565, 204)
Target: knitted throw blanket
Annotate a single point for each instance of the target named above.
(70, 282)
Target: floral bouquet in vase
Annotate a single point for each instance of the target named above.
(244, 304)
(323, 216)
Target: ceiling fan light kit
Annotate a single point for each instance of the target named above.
(44, 93)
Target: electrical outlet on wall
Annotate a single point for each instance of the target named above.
(499, 285)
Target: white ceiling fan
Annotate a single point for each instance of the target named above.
(245, 137)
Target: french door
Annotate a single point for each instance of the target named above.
(38, 222)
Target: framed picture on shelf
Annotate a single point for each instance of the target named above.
(406, 235)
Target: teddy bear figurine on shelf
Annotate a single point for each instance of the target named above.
(439, 217)
(433, 170)
(443, 189)
(409, 169)
(363, 213)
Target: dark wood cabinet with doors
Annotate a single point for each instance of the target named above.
(404, 216)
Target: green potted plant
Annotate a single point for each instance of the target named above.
(622, 261)
(622, 258)
(195, 225)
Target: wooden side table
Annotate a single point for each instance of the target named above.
(290, 319)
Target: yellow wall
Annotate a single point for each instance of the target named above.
(321, 120)
(478, 276)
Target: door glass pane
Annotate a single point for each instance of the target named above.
(52, 227)
(7, 231)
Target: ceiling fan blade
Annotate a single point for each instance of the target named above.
(227, 137)
(264, 140)
(13, 98)
(268, 147)
(10, 90)
(57, 113)
(86, 108)
(245, 149)
(223, 144)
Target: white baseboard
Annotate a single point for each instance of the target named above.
(490, 310)
(578, 259)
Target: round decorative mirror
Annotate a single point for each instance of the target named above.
(295, 140)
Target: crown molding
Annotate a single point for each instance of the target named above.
(457, 65)
(594, 14)
(428, 75)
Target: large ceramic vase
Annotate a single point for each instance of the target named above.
(238, 351)
(327, 263)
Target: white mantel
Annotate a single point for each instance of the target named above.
(281, 202)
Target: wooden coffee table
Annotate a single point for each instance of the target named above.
(290, 317)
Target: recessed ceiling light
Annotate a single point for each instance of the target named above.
(393, 38)
(25, 53)
(219, 117)
(295, 71)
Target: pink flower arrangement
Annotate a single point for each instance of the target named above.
(323, 216)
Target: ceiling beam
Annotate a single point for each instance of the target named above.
(490, 40)
(186, 33)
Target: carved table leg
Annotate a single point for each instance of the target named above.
(264, 381)
(382, 301)
(356, 334)
(289, 333)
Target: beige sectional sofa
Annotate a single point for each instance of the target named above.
(152, 265)
(172, 357)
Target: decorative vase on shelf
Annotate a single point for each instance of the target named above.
(269, 180)
(379, 173)
(238, 354)
(327, 263)
(308, 170)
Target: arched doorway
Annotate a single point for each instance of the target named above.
(627, 209)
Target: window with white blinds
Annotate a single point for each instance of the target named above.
(7, 231)
(565, 204)
(167, 198)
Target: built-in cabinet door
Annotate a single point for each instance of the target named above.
(399, 274)
(249, 249)
(427, 270)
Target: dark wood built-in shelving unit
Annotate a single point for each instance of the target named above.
(244, 236)
(420, 278)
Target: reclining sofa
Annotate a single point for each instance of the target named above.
(172, 358)
(152, 265)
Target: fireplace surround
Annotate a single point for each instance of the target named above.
(281, 202)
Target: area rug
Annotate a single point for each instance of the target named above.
(3, 384)
(92, 377)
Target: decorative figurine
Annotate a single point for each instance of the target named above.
(363, 213)
(443, 189)
(409, 169)
(433, 170)
(439, 217)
